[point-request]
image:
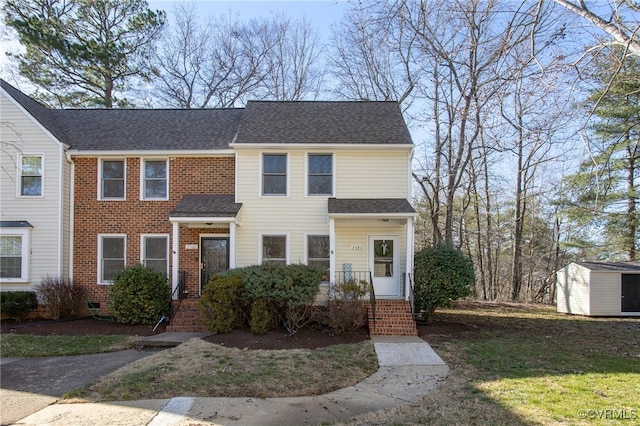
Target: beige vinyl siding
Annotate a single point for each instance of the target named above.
(25, 136)
(605, 293)
(359, 173)
(295, 214)
(572, 293)
(372, 174)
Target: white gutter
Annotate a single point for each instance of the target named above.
(150, 153)
(321, 146)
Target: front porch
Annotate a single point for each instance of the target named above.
(385, 316)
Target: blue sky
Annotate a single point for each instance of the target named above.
(322, 13)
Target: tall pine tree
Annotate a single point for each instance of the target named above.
(604, 190)
(83, 52)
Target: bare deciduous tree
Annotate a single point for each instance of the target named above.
(294, 61)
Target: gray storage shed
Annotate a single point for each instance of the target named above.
(599, 289)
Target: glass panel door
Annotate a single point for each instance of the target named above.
(214, 258)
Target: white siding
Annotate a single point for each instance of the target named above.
(20, 134)
(372, 174)
(572, 293)
(605, 293)
(359, 173)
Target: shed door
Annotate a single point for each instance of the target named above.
(630, 292)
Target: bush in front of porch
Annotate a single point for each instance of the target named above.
(269, 295)
(442, 274)
(139, 295)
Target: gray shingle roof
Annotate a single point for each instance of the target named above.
(312, 122)
(369, 206)
(206, 206)
(263, 122)
(611, 266)
(150, 129)
(40, 112)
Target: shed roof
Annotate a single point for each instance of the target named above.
(611, 266)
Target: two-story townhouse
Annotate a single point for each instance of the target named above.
(195, 192)
(35, 174)
(327, 183)
(134, 171)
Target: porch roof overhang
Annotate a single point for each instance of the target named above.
(370, 208)
(205, 209)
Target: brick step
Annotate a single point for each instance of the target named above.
(186, 319)
(391, 318)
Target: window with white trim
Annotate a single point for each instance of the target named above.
(31, 173)
(318, 253)
(155, 252)
(274, 249)
(320, 174)
(14, 255)
(155, 180)
(274, 174)
(112, 179)
(112, 254)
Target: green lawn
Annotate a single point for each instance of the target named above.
(26, 345)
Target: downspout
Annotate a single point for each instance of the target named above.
(72, 185)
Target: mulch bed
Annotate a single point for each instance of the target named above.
(307, 338)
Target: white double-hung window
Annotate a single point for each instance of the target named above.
(14, 253)
(111, 256)
(155, 180)
(31, 175)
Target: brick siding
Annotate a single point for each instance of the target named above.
(133, 217)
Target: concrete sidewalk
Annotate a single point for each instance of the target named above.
(409, 369)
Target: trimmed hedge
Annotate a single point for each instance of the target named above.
(270, 294)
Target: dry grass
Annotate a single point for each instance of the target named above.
(199, 368)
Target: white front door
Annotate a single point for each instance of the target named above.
(383, 264)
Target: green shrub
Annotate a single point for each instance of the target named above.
(260, 316)
(286, 292)
(17, 304)
(139, 295)
(442, 274)
(60, 297)
(219, 304)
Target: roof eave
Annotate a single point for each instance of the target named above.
(236, 145)
(154, 152)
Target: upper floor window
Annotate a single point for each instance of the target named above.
(112, 179)
(155, 252)
(31, 172)
(274, 249)
(320, 176)
(274, 174)
(14, 255)
(154, 182)
(112, 250)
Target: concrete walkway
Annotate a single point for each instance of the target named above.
(409, 369)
